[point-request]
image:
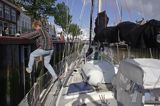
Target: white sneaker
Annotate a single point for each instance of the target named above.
(28, 70)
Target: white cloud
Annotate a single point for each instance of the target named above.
(51, 20)
(57, 27)
(85, 34)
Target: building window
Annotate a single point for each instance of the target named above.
(1, 27)
(1, 9)
(12, 29)
(23, 26)
(7, 12)
(13, 15)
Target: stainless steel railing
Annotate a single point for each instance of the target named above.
(44, 83)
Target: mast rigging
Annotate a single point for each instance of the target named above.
(91, 18)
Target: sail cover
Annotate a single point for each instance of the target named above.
(145, 72)
(133, 34)
(98, 71)
(134, 78)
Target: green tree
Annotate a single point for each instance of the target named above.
(38, 8)
(74, 30)
(62, 16)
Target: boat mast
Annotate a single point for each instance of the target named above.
(91, 18)
(99, 6)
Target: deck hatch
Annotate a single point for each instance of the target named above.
(79, 87)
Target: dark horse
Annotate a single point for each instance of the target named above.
(135, 35)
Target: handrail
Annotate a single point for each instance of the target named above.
(36, 94)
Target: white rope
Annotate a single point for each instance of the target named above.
(118, 7)
(82, 10)
(142, 10)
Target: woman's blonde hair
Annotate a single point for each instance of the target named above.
(36, 23)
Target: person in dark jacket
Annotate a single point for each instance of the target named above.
(44, 47)
(5, 32)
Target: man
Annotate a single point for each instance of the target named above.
(44, 47)
(5, 32)
(62, 39)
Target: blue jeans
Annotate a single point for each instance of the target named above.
(47, 57)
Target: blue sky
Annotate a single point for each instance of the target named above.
(75, 10)
(131, 9)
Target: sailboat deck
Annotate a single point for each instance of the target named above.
(88, 96)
